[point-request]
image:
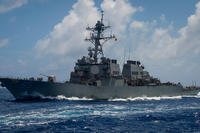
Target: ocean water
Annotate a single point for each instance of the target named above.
(60, 114)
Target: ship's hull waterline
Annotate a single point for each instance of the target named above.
(25, 88)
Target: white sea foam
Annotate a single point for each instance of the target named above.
(61, 97)
(145, 98)
(195, 96)
(118, 99)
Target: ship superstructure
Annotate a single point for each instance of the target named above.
(94, 69)
(135, 75)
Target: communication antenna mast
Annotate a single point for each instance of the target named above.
(129, 53)
(102, 14)
(97, 39)
(124, 57)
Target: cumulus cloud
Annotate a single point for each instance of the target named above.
(3, 42)
(158, 43)
(137, 25)
(67, 37)
(121, 12)
(118, 13)
(154, 43)
(8, 5)
(189, 40)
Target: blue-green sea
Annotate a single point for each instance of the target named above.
(60, 114)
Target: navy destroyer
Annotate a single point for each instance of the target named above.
(97, 77)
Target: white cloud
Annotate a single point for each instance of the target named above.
(158, 43)
(8, 5)
(137, 24)
(155, 45)
(3, 42)
(119, 14)
(120, 11)
(189, 38)
(67, 37)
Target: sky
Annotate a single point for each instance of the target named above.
(47, 36)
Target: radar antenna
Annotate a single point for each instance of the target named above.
(98, 39)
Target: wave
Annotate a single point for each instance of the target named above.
(61, 97)
(143, 98)
(155, 98)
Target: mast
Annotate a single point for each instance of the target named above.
(98, 39)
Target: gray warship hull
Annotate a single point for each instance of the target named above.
(22, 89)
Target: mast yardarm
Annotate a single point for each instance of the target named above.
(98, 39)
